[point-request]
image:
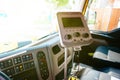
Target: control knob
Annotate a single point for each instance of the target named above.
(68, 36)
(76, 34)
(85, 35)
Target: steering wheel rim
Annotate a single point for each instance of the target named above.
(3, 76)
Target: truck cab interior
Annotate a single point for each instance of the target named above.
(30, 47)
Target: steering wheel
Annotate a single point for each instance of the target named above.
(3, 76)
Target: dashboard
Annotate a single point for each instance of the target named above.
(42, 60)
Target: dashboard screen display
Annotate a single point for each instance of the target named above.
(72, 22)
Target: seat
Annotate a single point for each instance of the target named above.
(107, 56)
(112, 71)
(92, 74)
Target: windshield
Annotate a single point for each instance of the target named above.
(25, 21)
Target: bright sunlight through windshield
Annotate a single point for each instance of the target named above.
(29, 20)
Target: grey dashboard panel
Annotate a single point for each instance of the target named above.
(35, 62)
(31, 62)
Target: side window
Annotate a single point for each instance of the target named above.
(103, 15)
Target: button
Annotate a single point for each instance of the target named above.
(30, 56)
(9, 71)
(56, 49)
(6, 63)
(24, 58)
(10, 62)
(2, 65)
(42, 65)
(27, 57)
(17, 60)
(29, 65)
(68, 36)
(19, 68)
